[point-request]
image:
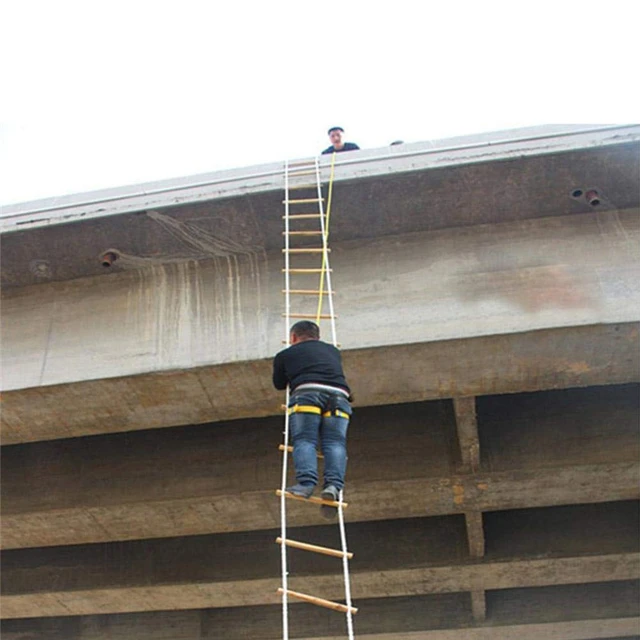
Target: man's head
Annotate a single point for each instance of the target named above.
(304, 330)
(335, 135)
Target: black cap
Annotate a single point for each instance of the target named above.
(335, 129)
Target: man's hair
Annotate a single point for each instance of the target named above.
(306, 329)
(335, 129)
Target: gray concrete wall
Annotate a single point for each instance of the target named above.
(455, 283)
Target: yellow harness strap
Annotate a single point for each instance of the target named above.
(304, 408)
(307, 408)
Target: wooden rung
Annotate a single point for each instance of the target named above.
(301, 173)
(302, 201)
(311, 250)
(307, 270)
(303, 233)
(321, 602)
(293, 187)
(307, 292)
(313, 499)
(301, 163)
(310, 316)
(336, 553)
(302, 216)
(290, 448)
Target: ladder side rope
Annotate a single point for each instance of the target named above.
(285, 459)
(326, 270)
(345, 568)
(324, 228)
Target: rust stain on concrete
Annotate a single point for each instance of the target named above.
(579, 367)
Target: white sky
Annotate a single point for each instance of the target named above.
(100, 94)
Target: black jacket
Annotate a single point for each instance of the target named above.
(309, 361)
(348, 146)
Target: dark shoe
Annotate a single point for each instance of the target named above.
(329, 493)
(301, 490)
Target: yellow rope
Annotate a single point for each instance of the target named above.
(325, 240)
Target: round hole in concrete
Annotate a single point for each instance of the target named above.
(108, 258)
(592, 197)
(40, 268)
(576, 193)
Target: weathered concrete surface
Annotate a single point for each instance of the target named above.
(251, 510)
(195, 480)
(375, 584)
(594, 611)
(583, 630)
(191, 630)
(378, 193)
(558, 358)
(445, 285)
(565, 545)
(207, 328)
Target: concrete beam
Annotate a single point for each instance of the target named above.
(253, 510)
(199, 480)
(537, 609)
(376, 584)
(479, 605)
(467, 428)
(372, 163)
(184, 343)
(575, 630)
(172, 627)
(572, 357)
(475, 533)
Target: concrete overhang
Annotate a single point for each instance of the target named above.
(498, 308)
(489, 178)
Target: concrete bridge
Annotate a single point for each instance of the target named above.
(488, 294)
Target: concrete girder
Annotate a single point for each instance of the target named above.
(428, 542)
(467, 428)
(190, 343)
(511, 363)
(577, 445)
(552, 609)
(443, 285)
(575, 630)
(417, 187)
(201, 625)
(588, 629)
(376, 584)
(369, 501)
(430, 188)
(479, 604)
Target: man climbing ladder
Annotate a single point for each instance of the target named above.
(317, 404)
(319, 410)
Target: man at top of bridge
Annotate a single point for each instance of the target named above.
(337, 143)
(319, 410)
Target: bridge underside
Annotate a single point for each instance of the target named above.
(493, 477)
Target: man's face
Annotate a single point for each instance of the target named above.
(336, 138)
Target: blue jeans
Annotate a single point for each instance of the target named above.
(307, 428)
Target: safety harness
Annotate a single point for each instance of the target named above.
(307, 408)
